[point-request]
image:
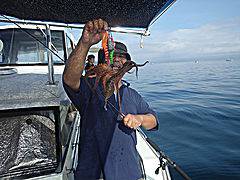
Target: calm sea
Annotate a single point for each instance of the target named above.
(198, 106)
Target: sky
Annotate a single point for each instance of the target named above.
(191, 30)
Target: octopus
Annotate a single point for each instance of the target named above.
(110, 79)
(100, 71)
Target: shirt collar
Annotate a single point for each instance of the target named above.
(125, 83)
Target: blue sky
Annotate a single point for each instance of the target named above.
(191, 29)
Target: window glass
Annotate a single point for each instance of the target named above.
(57, 41)
(21, 48)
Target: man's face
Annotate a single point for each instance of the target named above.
(118, 61)
(91, 60)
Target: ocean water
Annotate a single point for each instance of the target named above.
(198, 106)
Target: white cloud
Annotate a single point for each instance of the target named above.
(210, 39)
(213, 39)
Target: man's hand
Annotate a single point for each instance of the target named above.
(132, 121)
(148, 121)
(92, 32)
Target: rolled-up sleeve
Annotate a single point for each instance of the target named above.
(143, 108)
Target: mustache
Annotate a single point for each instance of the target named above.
(117, 65)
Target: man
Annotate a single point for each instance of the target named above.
(90, 62)
(107, 142)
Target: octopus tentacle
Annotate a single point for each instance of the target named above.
(140, 65)
(110, 79)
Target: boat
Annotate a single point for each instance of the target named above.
(39, 126)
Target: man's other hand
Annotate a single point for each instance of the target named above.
(148, 121)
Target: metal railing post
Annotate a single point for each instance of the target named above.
(50, 56)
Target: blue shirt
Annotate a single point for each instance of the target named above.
(106, 144)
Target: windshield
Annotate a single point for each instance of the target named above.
(18, 47)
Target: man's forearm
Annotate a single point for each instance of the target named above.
(75, 66)
(148, 121)
(91, 34)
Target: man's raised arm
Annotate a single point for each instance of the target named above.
(92, 34)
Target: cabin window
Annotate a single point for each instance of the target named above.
(70, 45)
(57, 41)
(21, 48)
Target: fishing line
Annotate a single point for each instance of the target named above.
(24, 30)
(122, 115)
(54, 14)
(101, 95)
